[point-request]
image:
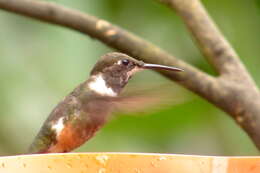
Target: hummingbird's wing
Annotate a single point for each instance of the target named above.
(147, 99)
(79, 116)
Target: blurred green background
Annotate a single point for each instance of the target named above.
(41, 63)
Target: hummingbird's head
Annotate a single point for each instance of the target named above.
(112, 72)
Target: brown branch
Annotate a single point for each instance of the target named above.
(239, 94)
(211, 42)
(233, 93)
(109, 34)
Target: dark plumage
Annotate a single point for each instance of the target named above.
(76, 119)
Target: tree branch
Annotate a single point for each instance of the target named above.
(211, 42)
(109, 34)
(239, 94)
(233, 93)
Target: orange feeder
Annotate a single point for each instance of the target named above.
(127, 163)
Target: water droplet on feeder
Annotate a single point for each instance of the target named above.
(102, 159)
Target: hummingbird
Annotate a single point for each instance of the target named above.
(86, 109)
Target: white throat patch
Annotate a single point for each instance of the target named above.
(99, 86)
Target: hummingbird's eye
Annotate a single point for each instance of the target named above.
(125, 62)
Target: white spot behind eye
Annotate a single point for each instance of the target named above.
(119, 62)
(58, 127)
(99, 86)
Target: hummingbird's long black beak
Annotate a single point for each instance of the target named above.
(160, 67)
